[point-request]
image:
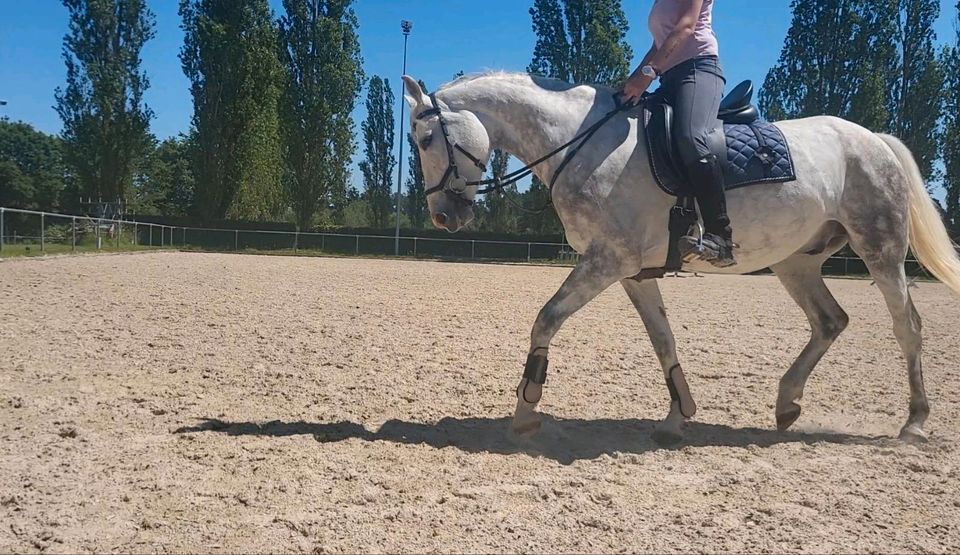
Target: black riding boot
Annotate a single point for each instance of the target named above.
(716, 246)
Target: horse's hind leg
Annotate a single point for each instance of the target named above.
(800, 275)
(891, 279)
(645, 296)
(878, 226)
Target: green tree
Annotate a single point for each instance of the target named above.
(951, 127)
(502, 214)
(579, 41)
(356, 211)
(105, 120)
(31, 167)
(377, 166)
(919, 90)
(321, 53)
(230, 57)
(416, 197)
(839, 58)
(167, 186)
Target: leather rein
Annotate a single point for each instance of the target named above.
(498, 183)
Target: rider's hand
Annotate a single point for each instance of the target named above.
(634, 88)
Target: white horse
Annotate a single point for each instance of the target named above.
(853, 186)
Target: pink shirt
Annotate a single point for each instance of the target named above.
(703, 42)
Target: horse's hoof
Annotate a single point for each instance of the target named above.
(786, 418)
(526, 429)
(526, 422)
(666, 438)
(911, 433)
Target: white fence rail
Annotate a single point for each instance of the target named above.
(99, 233)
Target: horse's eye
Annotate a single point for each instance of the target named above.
(425, 142)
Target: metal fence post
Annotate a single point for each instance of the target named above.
(119, 233)
(42, 231)
(323, 241)
(358, 245)
(150, 239)
(414, 247)
(528, 252)
(296, 241)
(73, 243)
(236, 239)
(1, 229)
(473, 249)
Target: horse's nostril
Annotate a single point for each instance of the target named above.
(440, 218)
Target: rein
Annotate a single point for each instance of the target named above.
(498, 183)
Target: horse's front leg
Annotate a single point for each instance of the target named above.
(598, 269)
(645, 296)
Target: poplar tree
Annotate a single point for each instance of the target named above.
(230, 57)
(320, 51)
(951, 127)
(416, 197)
(919, 92)
(379, 160)
(839, 58)
(579, 41)
(105, 119)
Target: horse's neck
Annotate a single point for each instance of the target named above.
(522, 118)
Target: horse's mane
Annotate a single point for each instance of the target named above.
(547, 83)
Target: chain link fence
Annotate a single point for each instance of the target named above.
(30, 232)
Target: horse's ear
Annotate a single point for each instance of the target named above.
(414, 95)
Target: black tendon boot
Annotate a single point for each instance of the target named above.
(716, 245)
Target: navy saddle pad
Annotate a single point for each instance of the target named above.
(753, 151)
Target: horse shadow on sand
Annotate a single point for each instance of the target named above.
(562, 440)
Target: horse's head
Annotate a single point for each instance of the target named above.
(454, 148)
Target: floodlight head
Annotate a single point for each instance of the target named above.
(407, 26)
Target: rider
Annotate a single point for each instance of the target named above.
(685, 56)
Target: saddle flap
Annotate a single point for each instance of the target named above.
(659, 131)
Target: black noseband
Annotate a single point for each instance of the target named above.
(452, 169)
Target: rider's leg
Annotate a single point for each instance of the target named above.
(707, 173)
(697, 89)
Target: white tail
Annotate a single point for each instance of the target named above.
(928, 235)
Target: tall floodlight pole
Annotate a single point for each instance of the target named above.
(406, 27)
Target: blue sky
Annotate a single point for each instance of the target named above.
(448, 36)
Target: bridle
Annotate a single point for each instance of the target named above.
(498, 183)
(452, 170)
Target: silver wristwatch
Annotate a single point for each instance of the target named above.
(649, 71)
